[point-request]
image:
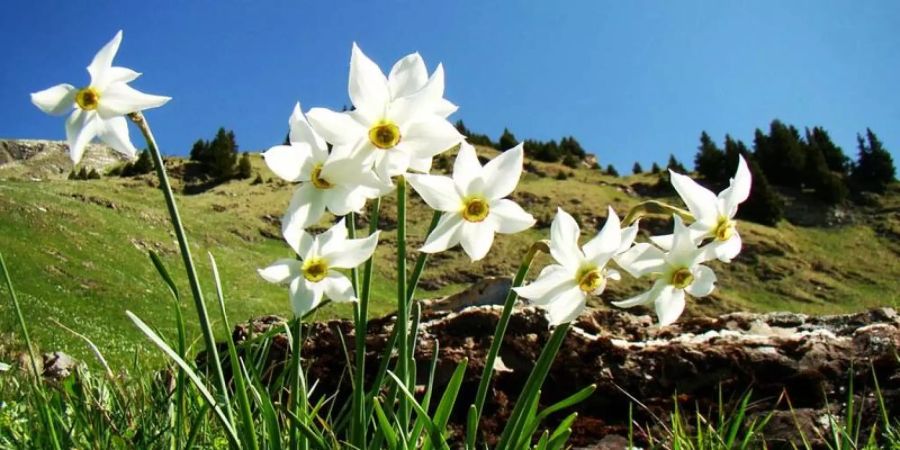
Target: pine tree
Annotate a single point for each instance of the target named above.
(636, 168)
(93, 175)
(570, 146)
(611, 171)
(507, 140)
(654, 169)
(82, 174)
(245, 168)
(783, 156)
(764, 205)
(144, 164)
(223, 151)
(200, 151)
(874, 168)
(710, 161)
(835, 158)
(675, 165)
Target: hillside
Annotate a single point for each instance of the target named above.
(77, 250)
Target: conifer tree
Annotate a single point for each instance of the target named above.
(654, 169)
(709, 162)
(245, 168)
(637, 169)
(144, 164)
(611, 171)
(507, 140)
(835, 158)
(874, 168)
(764, 205)
(675, 165)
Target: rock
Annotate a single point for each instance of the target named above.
(810, 360)
(488, 291)
(40, 159)
(58, 366)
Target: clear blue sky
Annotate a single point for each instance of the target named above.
(631, 80)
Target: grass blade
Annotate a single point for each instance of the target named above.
(198, 382)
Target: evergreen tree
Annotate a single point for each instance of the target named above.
(764, 205)
(611, 171)
(710, 161)
(675, 165)
(200, 151)
(245, 168)
(507, 140)
(82, 174)
(636, 168)
(93, 175)
(223, 151)
(874, 168)
(144, 164)
(654, 169)
(783, 156)
(570, 146)
(835, 158)
(571, 161)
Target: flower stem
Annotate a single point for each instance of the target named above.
(200, 305)
(402, 302)
(654, 207)
(502, 324)
(517, 419)
(358, 432)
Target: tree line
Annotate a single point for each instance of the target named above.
(567, 151)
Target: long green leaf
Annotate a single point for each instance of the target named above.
(198, 382)
(433, 432)
(448, 400)
(384, 425)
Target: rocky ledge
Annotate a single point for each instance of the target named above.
(797, 369)
(41, 159)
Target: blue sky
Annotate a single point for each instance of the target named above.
(633, 81)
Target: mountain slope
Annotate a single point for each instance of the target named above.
(77, 251)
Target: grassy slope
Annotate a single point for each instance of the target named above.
(75, 259)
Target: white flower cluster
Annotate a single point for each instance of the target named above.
(674, 261)
(340, 160)
(397, 125)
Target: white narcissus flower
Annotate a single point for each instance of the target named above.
(562, 288)
(314, 276)
(678, 271)
(398, 122)
(713, 216)
(101, 106)
(339, 184)
(473, 202)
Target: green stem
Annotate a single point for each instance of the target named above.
(654, 207)
(517, 419)
(402, 302)
(297, 396)
(200, 305)
(237, 370)
(500, 332)
(38, 387)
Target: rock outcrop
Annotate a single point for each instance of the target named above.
(795, 367)
(50, 159)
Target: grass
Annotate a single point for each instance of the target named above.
(79, 250)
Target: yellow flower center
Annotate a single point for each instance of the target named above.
(725, 229)
(315, 269)
(316, 178)
(682, 278)
(88, 98)
(591, 279)
(475, 209)
(385, 134)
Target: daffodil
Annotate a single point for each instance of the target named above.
(315, 276)
(326, 182)
(677, 271)
(398, 122)
(473, 202)
(562, 288)
(714, 215)
(101, 106)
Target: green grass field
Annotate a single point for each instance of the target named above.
(78, 254)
